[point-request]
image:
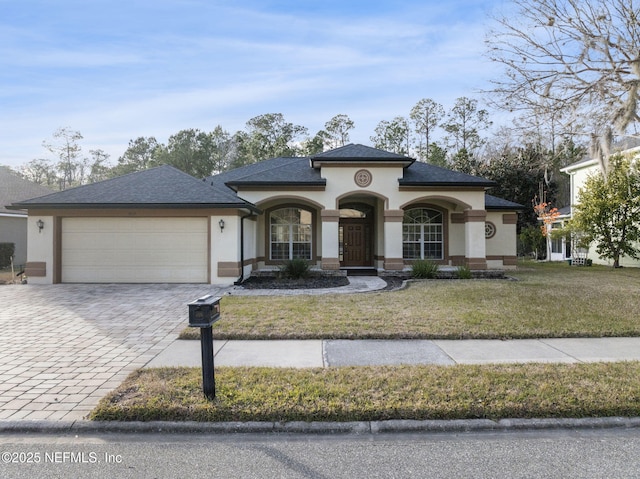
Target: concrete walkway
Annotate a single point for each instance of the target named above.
(331, 353)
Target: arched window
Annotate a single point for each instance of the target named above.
(290, 234)
(422, 234)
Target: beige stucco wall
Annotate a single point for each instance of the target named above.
(503, 243)
(40, 247)
(465, 240)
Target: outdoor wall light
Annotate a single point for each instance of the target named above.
(40, 225)
(221, 225)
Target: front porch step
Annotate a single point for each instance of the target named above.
(360, 271)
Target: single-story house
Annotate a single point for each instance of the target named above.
(353, 208)
(13, 223)
(579, 172)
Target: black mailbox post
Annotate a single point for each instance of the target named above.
(203, 312)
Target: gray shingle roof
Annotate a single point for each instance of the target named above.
(275, 172)
(424, 174)
(300, 172)
(166, 186)
(13, 188)
(360, 152)
(495, 203)
(161, 186)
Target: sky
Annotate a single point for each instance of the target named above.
(117, 70)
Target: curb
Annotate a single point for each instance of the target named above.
(356, 427)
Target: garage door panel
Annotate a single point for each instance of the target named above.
(136, 250)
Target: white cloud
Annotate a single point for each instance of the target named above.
(151, 75)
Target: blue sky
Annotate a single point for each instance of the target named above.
(116, 70)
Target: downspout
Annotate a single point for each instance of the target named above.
(241, 278)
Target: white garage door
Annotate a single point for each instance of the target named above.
(134, 250)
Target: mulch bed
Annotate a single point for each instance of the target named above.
(313, 282)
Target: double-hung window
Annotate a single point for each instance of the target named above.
(290, 234)
(423, 234)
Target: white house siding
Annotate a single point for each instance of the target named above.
(579, 173)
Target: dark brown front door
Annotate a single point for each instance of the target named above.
(356, 243)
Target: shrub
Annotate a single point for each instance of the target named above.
(6, 252)
(295, 269)
(424, 269)
(464, 272)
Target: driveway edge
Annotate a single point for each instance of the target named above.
(356, 427)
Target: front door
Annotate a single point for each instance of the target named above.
(355, 243)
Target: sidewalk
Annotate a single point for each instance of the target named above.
(333, 353)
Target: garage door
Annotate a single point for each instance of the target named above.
(134, 250)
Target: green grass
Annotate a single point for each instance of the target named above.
(545, 300)
(379, 393)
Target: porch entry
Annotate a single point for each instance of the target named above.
(356, 236)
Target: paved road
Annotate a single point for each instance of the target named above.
(566, 454)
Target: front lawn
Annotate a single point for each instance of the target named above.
(546, 300)
(543, 300)
(379, 393)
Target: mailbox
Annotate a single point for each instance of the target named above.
(203, 312)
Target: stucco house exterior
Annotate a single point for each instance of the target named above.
(351, 208)
(579, 172)
(13, 223)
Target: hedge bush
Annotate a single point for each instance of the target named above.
(6, 252)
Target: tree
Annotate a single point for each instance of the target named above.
(223, 149)
(463, 124)
(393, 136)
(426, 116)
(577, 56)
(518, 176)
(315, 145)
(337, 130)
(71, 166)
(437, 156)
(608, 210)
(191, 151)
(141, 154)
(98, 168)
(267, 136)
(40, 171)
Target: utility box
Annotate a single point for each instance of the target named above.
(203, 312)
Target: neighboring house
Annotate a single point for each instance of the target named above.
(559, 248)
(13, 223)
(579, 172)
(354, 207)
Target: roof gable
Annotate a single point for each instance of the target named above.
(161, 186)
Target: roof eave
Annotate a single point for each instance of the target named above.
(275, 184)
(70, 206)
(403, 162)
(448, 184)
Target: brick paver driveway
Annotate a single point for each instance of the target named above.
(63, 347)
